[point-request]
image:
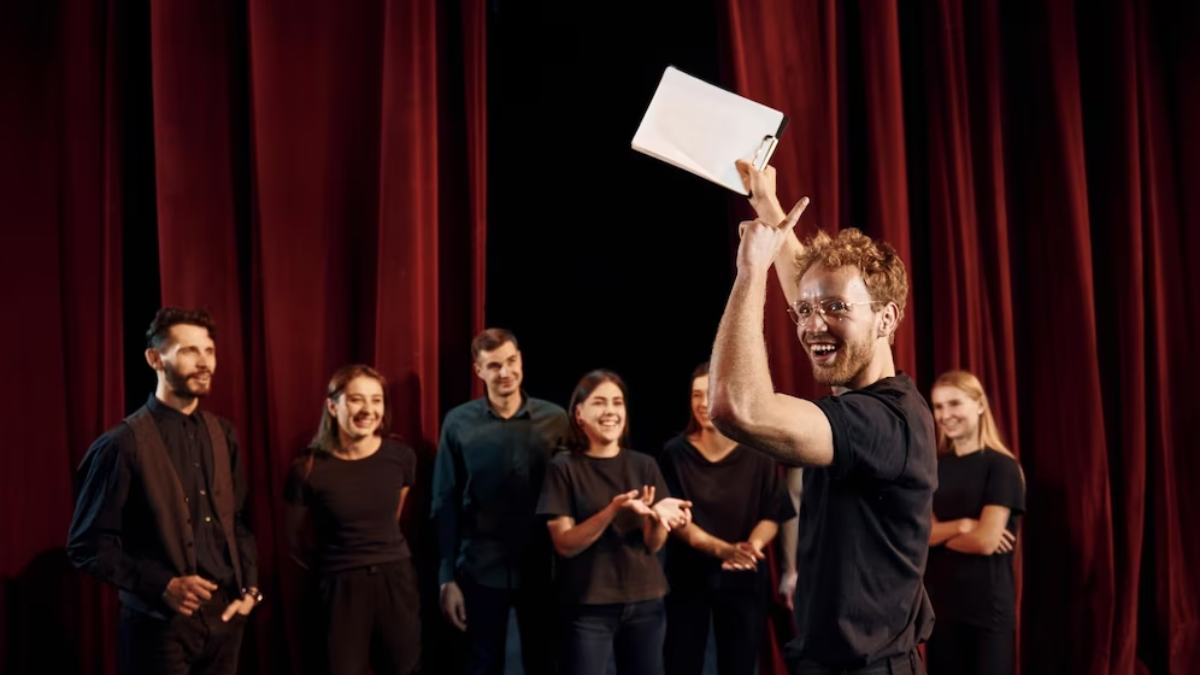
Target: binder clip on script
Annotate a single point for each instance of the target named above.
(703, 129)
(762, 156)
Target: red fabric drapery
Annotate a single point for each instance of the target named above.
(1029, 161)
(305, 163)
(315, 174)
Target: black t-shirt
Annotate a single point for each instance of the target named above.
(729, 498)
(864, 529)
(353, 505)
(975, 589)
(617, 568)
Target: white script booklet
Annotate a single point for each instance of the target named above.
(704, 129)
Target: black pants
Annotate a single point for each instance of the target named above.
(633, 633)
(487, 627)
(182, 645)
(903, 664)
(373, 620)
(738, 619)
(957, 647)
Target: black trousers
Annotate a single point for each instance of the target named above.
(372, 619)
(901, 664)
(487, 627)
(958, 647)
(200, 644)
(738, 617)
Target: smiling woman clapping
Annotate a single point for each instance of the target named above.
(609, 514)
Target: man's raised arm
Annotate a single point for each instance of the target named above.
(743, 402)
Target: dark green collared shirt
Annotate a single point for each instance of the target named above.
(486, 484)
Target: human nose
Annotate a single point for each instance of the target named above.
(809, 324)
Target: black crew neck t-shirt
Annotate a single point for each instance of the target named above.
(354, 506)
(617, 568)
(864, 529)
(730, 497)
(975, 589)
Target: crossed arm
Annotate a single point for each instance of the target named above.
(986, 536)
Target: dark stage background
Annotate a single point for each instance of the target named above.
(377, 181)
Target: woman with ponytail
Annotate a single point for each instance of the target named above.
(348, 490)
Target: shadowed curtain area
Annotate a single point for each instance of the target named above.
(299, 168)
(1035, 164)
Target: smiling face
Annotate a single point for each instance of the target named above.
(956, 413)
(185, 361)
(359, 409)
(700, 403)
(839, 325)
(500, 369)
(601, 415)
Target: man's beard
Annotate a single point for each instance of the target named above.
(187, 386)
(852, 358)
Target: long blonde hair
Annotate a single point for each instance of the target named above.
(989, 433)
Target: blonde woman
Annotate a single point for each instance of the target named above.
(980, 494)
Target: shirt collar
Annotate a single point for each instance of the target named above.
(161, 411)
(524, 411)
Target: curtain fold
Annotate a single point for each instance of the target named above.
(1028, 160)
(290, 178)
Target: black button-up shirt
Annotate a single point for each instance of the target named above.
(486, 484)
(110, 509)
(190, 449)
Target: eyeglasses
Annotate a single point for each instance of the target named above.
(802, 312)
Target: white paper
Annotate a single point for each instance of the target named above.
(704, 129)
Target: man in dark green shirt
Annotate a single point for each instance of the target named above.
(495, 552)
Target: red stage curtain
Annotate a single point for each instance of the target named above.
(310, 185)
(1037, 164)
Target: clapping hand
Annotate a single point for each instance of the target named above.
(673, 513)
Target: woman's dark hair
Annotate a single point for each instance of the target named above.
(693, 426)
(326, 439)
(578, 439)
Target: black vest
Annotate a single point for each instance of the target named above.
(164, 492)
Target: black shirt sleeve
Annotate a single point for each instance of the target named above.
(447, 500)
(408, 459)
(297, 516)
(243, 529)
(865, 435)
(667, 465)
(94, 539)
(655, 477)
(776, 503)
(556, 493)
(1005, 486)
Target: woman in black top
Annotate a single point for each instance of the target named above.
(348, 493)
(969, 576)
(738, 502)
(609, 512)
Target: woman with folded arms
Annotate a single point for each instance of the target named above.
(969, 576)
